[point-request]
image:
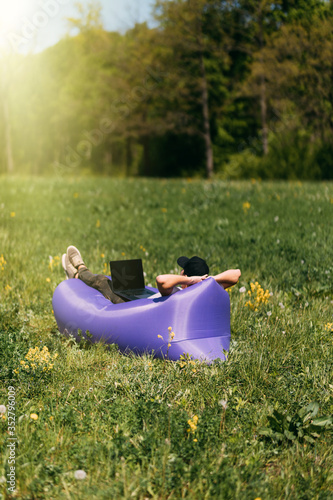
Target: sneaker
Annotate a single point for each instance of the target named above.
(68, 267)
(74, 256)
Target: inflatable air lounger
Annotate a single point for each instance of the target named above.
(199, 316)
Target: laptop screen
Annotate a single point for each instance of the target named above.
(127, 275)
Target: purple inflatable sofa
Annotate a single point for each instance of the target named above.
(199, 316)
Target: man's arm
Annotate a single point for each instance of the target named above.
(228, 278)
(166, 282)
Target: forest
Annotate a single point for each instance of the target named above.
(229, 89)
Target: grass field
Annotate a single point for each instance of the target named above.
(124, 420)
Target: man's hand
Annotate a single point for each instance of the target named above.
(191, 280)
(166, 282)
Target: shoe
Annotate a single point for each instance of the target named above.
(68, 267)
(74, 256)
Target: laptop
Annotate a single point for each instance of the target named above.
(128, 280)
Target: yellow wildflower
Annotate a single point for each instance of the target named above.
(164, 210)
(33, 416)
(12, 214)
(159, 337)
(98, 223)
(193, 423)
(75, 195)
(258, 295)
(7, 288)
(48, 280)
(2, 263)
(246, 206)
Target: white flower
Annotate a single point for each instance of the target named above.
(276, 218)
(2, 409)
(80, 474)
(281, 305)
(146, 254)
(223, 403)
(306, 304)
(2, 480)
(302, 261)
(269, 313)
(277, 242)
(242, 289)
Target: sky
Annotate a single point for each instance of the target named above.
(32, 25)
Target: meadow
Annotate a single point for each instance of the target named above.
(93, 423)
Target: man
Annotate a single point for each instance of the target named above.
(193, 271)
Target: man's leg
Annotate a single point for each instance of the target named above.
(100, 283)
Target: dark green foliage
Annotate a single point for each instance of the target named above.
(303, 426)
(135, 103)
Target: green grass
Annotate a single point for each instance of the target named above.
(124, 419)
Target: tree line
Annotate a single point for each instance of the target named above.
(231, 88)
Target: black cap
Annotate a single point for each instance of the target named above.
(193, 266)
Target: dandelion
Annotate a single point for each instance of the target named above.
(242, 289)
(195, 440)
(8, 288)
(80, 474)
(164, 210)
(2, 409)
(2, 263)
(48, 280)
(75, 195)
(269, 313)
(102, 255)
(281, 305)
(98, 223)
(12, 214)
(246, 206)
(33, 416)
(223, 403)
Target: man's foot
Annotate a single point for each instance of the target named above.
(74, 257)
(68, 267)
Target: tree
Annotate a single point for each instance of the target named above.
(196, 46)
